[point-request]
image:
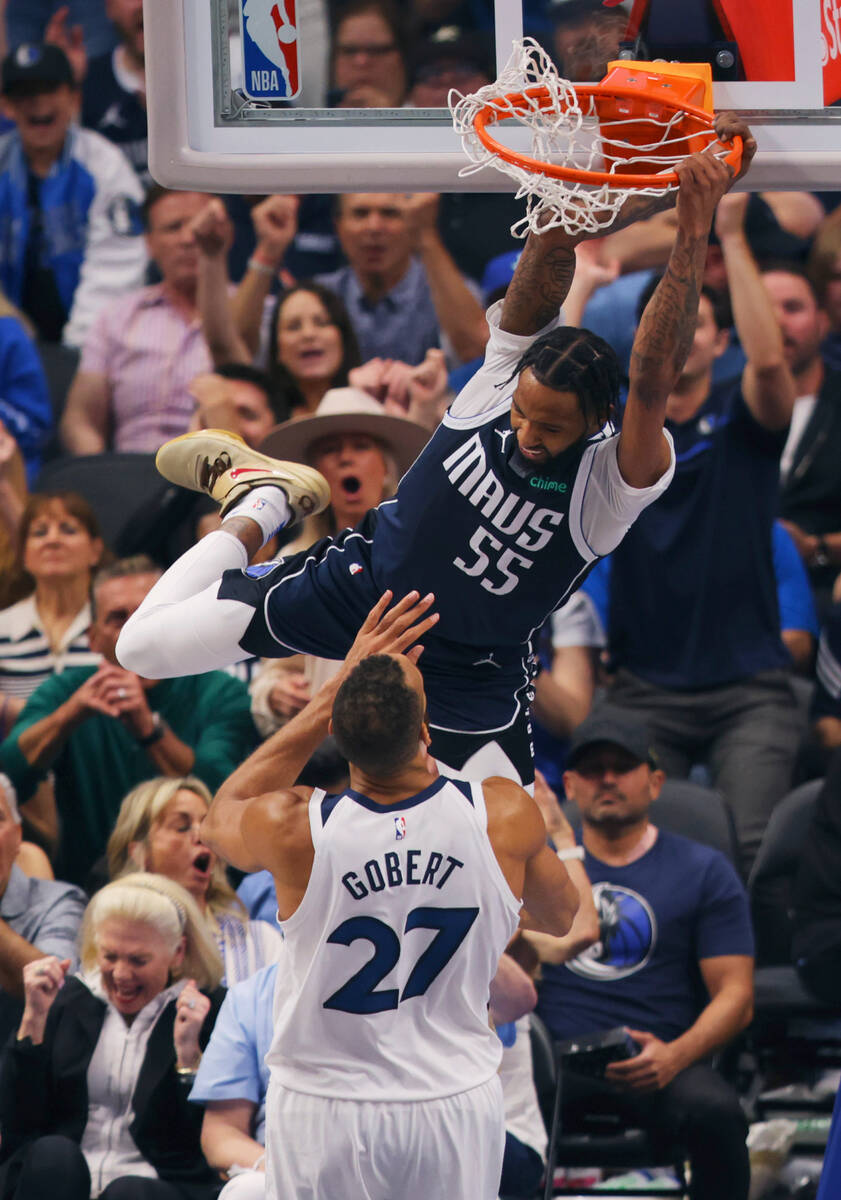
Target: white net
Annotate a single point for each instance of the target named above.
(565, 130)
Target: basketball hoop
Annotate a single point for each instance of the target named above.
(592, 145)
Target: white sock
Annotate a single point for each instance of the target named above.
(267, 506)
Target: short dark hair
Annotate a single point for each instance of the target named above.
(390, 13)
(137, 564)
(790, 266)
(377, 717)
(719, 302)
(156, 193)
(287, 391)
(576, 360)
(74, 504)
(245, 373)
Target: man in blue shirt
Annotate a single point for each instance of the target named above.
(674, 963)
(694, 620)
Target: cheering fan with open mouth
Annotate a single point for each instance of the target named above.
(157, 830)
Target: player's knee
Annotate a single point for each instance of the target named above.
(140, 649)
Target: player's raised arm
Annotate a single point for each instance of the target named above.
(276, 764)
(541, 281)
(667, 327)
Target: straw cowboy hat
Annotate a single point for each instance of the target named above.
(348, 410)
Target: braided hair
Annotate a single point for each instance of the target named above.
(574, 360)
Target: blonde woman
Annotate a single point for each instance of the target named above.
(94, 1090)
(157, 829)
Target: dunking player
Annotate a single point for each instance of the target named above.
(522, 487)
(397, 898)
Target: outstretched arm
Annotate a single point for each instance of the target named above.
(665, 333)
(767, 382)
(278, 762)
(542, 278)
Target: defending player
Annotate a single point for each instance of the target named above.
(522, 487)
(397, 898)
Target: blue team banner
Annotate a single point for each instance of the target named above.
(270, 50)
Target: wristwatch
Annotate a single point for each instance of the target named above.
(159, 728)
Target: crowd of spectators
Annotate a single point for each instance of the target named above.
(334, 331)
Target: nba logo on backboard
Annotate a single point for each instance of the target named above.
(400, 828)
(270, 49)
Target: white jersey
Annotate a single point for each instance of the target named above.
(389, 958)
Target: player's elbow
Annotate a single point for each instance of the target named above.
(559, 920)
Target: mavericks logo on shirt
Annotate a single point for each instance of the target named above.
(628, 935)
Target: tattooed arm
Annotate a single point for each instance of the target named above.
(541, 281)
(667, 328)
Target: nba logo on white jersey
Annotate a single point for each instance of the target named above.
(400, 828)
(270, 49)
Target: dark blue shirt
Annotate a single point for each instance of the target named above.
(693, 595)
(402, 324)
(679, 903)
(117, 114)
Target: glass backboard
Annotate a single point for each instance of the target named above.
(264, 95)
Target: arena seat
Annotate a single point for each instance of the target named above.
(117, 486)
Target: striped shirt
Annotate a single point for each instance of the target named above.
(149, 354)
(26, 658)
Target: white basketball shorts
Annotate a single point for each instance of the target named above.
(323, 1149)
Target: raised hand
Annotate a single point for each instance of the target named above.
(428, 389)
(42, 981)
(728, 125)
(215, 408)
(275, 222)
(591, 266)
(702, 180)
(421, 212)
(212, 229)
(191, 1008)
(730, 214)
(70, 39)
(393, 630)
(557, 826)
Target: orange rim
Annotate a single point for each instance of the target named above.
(489, 115)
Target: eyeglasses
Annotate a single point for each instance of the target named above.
(370, 50)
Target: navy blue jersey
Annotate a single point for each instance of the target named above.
(499, 548)
(116, 113)
(693, 598)
(659, 916)
(499, 545)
